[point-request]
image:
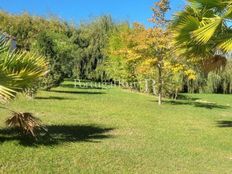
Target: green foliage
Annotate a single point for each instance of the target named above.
(20, 71)
(71, 51)
(203, 28)
(219, 81)
(91, 39)
(46, 46)
(213, 82)
(47, 37)
(116, 66)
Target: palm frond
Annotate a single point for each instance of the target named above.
(26, 122)
(205, 33)
(6, 94)
(226, 45)
(228, 13)
(202, 28)
(19, 71)
(184, 29)
(219, 4)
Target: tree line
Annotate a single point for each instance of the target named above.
(186, 54)
(71, 51)
(180, 55)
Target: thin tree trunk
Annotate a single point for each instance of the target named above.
(160, 85)
(176, 94)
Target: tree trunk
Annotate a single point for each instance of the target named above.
(176, 94)
(160, 85)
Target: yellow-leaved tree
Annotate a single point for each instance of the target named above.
(148, 53)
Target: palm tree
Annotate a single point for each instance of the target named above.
(203, 29)
(19, 71)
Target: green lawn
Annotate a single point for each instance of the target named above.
(119, 131)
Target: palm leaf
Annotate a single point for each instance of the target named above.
(19, 71)
(205, 33)
(206, 29)
(26, 122)
(219, 4)
(226, 45)
(6, 94)
(228, 13)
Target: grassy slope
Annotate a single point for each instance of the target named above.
(116, 131)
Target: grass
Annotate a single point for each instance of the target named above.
(118, 131)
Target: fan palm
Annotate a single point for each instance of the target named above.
(203, 28)
(19, 71)
(26, 122)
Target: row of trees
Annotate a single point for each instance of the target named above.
(218, 81)
(136, 53)
(71, 51)
(185, 54)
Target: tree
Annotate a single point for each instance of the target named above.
(138, 53)
(71, 51)
(162, 39)
(203, 32)
(48, 37)
(118, 64)
(19, 71)
(90, 39)
(47, 47)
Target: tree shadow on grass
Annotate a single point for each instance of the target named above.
(53, 98)
(83, 86)
(59, 134)
(224, 124)
(187, 100)
(197, 104)
(77, 92)
(186, 97)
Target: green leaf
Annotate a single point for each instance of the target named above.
(205, 33)
(226, 45)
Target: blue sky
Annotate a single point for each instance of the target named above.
(82, 10)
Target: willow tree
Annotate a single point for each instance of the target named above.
(90, 39)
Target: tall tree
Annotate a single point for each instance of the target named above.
(138, 53)
(91, 39)
(162, 39)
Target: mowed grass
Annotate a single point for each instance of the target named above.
(119, 131)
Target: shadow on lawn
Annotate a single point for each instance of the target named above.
(185, 97)
(197, 104)
(53, 98)
(59, 134)
(77, 92)
(186, 100)
(224, 124)
(83, 86)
